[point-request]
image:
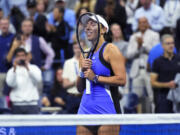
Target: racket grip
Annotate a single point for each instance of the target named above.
(88, 87)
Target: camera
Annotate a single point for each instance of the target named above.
(21, 62)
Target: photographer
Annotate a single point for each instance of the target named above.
(24, 78)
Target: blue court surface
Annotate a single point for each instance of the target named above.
(155, 129)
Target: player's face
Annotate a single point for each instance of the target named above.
(91, 29)
(168, 45)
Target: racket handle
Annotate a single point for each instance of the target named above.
(88, 87)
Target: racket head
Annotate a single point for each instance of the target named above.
(84, 24)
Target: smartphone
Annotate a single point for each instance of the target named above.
(18, 37)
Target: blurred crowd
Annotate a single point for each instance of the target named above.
(39, 54)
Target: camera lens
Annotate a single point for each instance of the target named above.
(22, 62)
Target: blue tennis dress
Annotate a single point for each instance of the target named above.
(100, 100)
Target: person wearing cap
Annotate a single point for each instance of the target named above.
(105, 71)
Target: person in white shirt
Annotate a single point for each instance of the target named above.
(24, 79)
(131, 6)
(70, 74)
(139, 46)
(171, 12)
(153, 13)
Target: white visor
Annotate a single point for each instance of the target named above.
(85, 18)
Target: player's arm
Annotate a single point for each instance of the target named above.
(117, 61)
(156, 84)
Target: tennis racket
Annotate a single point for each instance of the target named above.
(91, 39)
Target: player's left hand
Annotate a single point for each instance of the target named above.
(89, 74)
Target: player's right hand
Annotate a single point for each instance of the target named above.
(86, 64)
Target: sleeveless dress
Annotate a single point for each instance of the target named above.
(100, 100)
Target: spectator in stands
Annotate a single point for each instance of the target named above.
(58, 95)
(163, 74)
(139, 46)
(9, 4)
(31, 7)
(24, 78)
(70, 74)
(40, 7)
(1, 13)
(16, 17)
(118, 39)
(159, 2)
(11, 27)
(85, 4)
(115, 13)
(71, 4)
(158, 50)
(59, 34)
(154, 14)
(49, 5)
(130, 6)
(40, 21)
(69, 15)
(99, 7)
(177, 35)
(171, 12)
(154, 53)
(33, 45)
(5, 41)
(37, 48)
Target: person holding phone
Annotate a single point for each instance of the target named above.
(24, 79)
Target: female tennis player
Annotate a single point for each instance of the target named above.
(105, 72)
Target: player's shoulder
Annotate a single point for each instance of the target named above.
(111, 47)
